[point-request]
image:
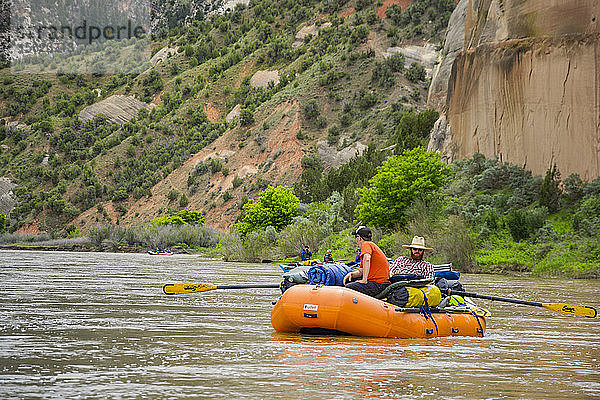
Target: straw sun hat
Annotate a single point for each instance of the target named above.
(418, 242)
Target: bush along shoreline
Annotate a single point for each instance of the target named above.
(479, 214)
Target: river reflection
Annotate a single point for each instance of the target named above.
(96, 325)
(369, 367)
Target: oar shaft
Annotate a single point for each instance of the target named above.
(250, 286)
(496, 298)
(581, 311)
(183, 288)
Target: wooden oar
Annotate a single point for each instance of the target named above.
(581, 311)
(183, 288)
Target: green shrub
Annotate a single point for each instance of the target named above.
(413, 129)
(587, 218)
(98, 234)
(201, 168)
(333, 135)
(311, 110)
(299, 234)
(454, 243)
(152, 83)
(391, 243)
(183, 201)
(3, 223)
(522, 223)
(382, 75)
(231, 246)
(215, 165)
(592, 188)
(276, 207)
(366, 99)
(394, 12)
(253, 247)
(120, 194)
(415, 73)
(237, 181)
(398, 182)
(183, 217)
(173, 195)
(550, 192)
(246, 117)
(167, 236)
(395, 62)
(573, 189)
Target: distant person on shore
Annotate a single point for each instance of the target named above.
(305, 254)
(328, 257)
(415, 264)
(373, 274)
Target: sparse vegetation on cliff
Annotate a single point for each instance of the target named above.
(88, 165)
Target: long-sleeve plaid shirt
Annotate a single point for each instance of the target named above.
(406, 265)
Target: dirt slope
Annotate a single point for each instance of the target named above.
(271, 156)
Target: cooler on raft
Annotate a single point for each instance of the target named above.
(305, 308)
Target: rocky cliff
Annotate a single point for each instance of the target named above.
(520, 80)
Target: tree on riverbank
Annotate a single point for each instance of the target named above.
(276, 207)
(398, 182)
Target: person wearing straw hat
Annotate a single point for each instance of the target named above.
(415, 264)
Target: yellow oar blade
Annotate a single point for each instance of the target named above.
(581, 311)
(479, 311)
(183, 288)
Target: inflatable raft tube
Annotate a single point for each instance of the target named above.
(306, 308)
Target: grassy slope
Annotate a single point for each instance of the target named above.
(347, 58)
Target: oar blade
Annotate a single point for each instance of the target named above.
(581, 311)
(183, 288)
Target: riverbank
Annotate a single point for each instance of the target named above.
(72, 247)
(508, 269)
(92, 248)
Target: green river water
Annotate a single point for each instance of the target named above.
(96, 325)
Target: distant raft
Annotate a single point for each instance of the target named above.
(309, 309)
(160, 253)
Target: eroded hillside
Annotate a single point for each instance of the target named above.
(233, 104)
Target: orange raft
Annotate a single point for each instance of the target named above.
(307, 307)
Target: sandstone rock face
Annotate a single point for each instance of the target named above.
(524, 87)
(312, 30)
(264, 78)
(424, 55)
(455, 42)
(118, 108)
(163, 54)
(7, 197)
(233, 114)
(332, 158)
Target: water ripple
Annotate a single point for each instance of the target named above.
(96, 325)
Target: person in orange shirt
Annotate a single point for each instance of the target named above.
(373, 275)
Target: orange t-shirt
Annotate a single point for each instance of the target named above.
(379, 271)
